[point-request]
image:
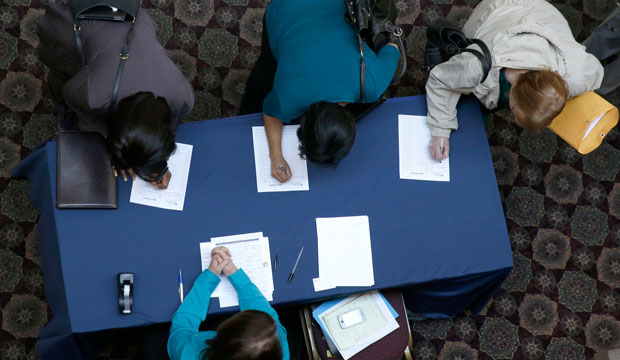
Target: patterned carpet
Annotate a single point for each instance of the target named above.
(562, 300)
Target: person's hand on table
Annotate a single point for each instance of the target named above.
(124, 173)
(280, 169)
(220, 258)
(160, 184)
(439, 148)
(230, 267)
(163, 183)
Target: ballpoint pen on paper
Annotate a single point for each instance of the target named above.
(440, 148)
(180, 285)
(290, 277)
(283, 169)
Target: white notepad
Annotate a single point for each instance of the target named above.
(290, 150)
(414, 157)
(345, 253)
(172, 198)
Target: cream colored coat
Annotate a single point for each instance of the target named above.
(521, 34)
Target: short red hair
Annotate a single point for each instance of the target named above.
(539, 96)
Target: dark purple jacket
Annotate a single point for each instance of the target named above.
(87, 89)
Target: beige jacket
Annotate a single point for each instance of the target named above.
(521, 34)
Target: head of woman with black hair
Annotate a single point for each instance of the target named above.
(139, 137)
(326, 133)
(248, 335)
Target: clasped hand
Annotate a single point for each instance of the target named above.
(221, 262)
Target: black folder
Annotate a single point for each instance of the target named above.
(84, 176)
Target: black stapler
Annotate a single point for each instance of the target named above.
(125, 292)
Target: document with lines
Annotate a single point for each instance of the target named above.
(172, 198)
(290, 149)
(414, 158)
(249, 252)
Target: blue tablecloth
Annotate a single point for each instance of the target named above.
(446, 242)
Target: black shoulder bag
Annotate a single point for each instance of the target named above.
(374, 22)
(83, 171)
(444, 40)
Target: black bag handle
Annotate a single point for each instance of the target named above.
(444, 40)
(359, 15)
(131, 8)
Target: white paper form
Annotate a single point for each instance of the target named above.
(172, 198)
(415, 161)
(345, 253)
(290, 149)
(378, 322)
(249, 252)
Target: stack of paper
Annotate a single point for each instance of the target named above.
(290, 150)
(415, 161)
(172, 198)
(345, 254)
(379, 320)
(249, 252)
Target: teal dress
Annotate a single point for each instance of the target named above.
(186, 342)
(318, 58)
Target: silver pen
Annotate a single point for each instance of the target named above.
(290, 277)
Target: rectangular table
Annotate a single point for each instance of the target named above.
(446, 242)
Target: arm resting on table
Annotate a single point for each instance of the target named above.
(191, 313)
(446, 83)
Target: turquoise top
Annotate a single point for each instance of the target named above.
(318, 58)
(186, 342)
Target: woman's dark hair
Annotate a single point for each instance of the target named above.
(248, 335)
(326, 133)
(139, 135)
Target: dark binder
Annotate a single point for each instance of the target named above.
(84, 176)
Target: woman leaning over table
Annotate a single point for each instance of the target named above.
(309, 69)
(255, 333)
(537, 66)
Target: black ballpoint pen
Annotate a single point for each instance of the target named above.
(290, 277)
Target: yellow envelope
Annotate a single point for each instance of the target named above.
(585, 121)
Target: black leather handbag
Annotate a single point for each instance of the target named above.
(444, 40)
(375, 22)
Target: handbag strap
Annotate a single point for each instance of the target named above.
(124, 55)
(484, 57)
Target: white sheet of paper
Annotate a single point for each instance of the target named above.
(290, 150)
(318, 287)
(345, 253)
(359, 337)
(592, 125)
(172, 198)
(249, 252)
(414, 157)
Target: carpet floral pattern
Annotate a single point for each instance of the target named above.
(562, 300)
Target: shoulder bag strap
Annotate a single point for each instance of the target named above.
(362, 69)
(121, 66)
(77, 29)
(485, 57)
